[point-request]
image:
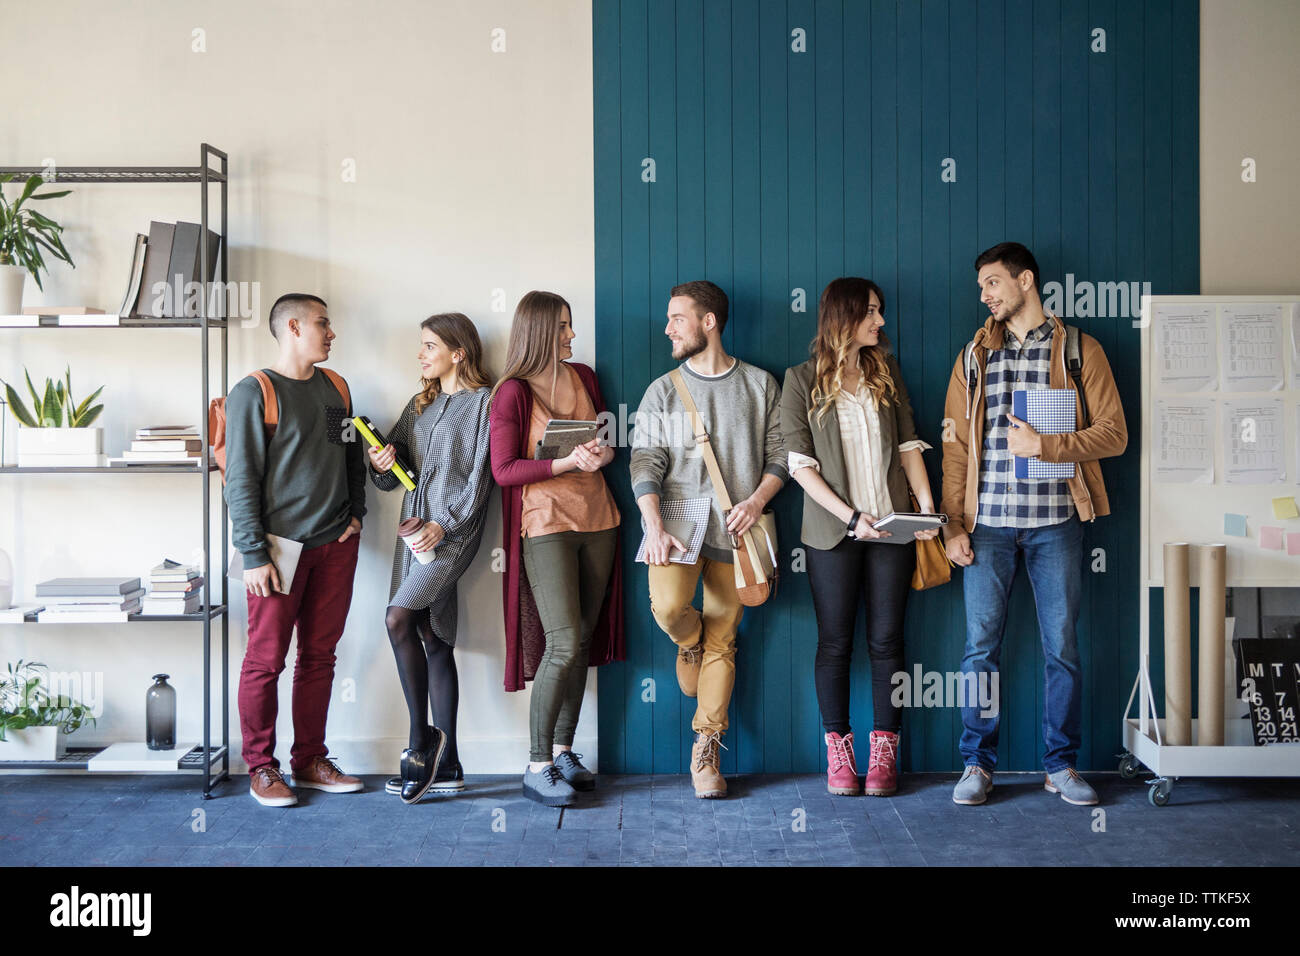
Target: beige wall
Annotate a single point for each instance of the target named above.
(473, 175)
(1250, 95)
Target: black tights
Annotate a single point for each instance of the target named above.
(427, 670)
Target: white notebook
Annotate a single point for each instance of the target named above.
(284, 554)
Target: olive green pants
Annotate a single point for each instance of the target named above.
(568, 573)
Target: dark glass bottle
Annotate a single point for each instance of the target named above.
(160, 714)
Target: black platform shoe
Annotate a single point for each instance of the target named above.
(450, 779)
(420, 767)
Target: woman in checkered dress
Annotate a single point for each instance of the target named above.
(443, 435)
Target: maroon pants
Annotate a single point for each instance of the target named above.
(318, 604)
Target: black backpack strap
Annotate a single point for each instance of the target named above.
(1074, 365)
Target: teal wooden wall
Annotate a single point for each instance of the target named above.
(777, 170)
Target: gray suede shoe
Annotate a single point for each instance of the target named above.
(548, 787)
(973, 787)
(572, 770)
(1072, 788)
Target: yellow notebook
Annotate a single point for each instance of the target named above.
(376, 438)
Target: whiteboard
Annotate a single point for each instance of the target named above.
(1194, 512)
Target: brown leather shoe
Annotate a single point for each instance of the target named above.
(688, 668)
(267, 787)
(705, 774)
(323, 774)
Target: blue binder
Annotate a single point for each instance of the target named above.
(1051, 412)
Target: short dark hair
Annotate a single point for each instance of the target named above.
(285, 306)
(1012, 255)
(707, 297)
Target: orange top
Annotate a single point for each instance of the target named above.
(576, 500)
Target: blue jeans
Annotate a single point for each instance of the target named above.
(1054, 560)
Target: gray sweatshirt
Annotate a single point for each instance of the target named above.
(741, 410)
(306, 483)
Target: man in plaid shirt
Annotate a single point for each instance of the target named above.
(994, 518)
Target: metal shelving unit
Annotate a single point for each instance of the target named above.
(213, 168)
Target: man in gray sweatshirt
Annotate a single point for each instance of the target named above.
(299, 479)
(740, 408)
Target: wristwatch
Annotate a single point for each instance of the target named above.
(853, 524)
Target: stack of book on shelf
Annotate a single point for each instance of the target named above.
(88, 600)
(178, 445)
(174, 589)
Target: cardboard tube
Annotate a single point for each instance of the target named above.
(1211, 639)
(1178, 647)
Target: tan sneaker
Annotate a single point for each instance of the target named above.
(688, 668)
(705, 775)
(267, 787)
(324, 774)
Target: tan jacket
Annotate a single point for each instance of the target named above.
(964, 428)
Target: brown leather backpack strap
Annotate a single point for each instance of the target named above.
(337, 381)
(270, 404)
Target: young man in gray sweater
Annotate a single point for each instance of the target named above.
(740, 406)
(299, 480)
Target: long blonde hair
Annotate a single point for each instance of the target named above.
(456, 331)
(534, 347)
(843, 306)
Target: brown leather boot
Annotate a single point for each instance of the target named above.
(688, 668)
(705, 775)
(323, 774)
(267, 787)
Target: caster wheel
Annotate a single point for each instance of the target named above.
(1128, 767)
(1158, 795)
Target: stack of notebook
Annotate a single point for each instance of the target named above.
(163, 445)
(88, 600)
(174, 589)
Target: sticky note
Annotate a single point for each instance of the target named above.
(1270, 538)
(1234, 524)
(1293, 543)
(1285, 507)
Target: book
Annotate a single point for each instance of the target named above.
(74, 587)
(562, 436)
(686, 519)
(156, 259)
(136, 462)
(133, 280)
(150, 607)
(167, 444)
(75, 617)
(404, 472)
(184, 265)
(163, 456)
(20, 321)
(284, 554)
(170, 570)
(61, 310)
(176, 587)
(168, 431)
(1050, 411)
(64, 461)
(72, 601)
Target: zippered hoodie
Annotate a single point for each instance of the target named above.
(964, 427)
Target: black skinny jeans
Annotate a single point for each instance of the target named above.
(841, 578)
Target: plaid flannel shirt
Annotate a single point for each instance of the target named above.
(1004, 501)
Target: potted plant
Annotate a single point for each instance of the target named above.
(57, 424)
(33, 723)
(23, 233)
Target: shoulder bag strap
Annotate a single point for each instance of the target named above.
(270, 404)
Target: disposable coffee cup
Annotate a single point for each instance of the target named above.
(408, 531)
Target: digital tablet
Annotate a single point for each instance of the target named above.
(901, 526)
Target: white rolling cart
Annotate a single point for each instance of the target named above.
(1194, 512)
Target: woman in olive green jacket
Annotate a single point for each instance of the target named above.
(852, 444)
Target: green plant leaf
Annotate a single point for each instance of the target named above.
(55, 195)
(36, 401)
(17, 407)
(49, 406)
(83, 421)
(81, 409)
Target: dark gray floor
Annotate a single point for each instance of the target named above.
(643, 820)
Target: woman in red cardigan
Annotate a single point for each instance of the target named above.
(563, 587)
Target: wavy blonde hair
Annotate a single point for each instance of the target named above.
(843, 306)
(457, 332)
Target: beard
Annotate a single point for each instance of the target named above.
(688, 348)
(1010, 310)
